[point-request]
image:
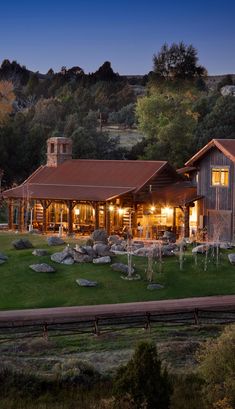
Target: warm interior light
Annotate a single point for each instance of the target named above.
(152, 208)
(111, 208)
(77, 212)
(120, 211)
(168, 210)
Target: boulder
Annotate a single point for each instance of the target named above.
(3, 257)
(153, 286)
(114, 239)
(101, 249)
(123, 268)
(99, 235)
(118, 247)
(86, 283)
(231, 258)
(201, 249)
(223, 246)
(22, 244)
(82, 258)
(169, 235)
(80, 249)
(102, 260)
(68, 261)
(42, 268)
(58, 257)
(2, 261)
(89, 251)
(40, 252)
(55, 241)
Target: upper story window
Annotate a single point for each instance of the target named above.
(220, 176)
(52, 147)
(63, 148)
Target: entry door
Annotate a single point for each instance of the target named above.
(219, 225)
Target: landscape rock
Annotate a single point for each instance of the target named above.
(40, 252)
(82, 258)
(225, 246)
(201, 249)
(153, 286)
(101, 249)
(123, 268)
(3, 257)
(68, 261)
(80, 249)
(22, 244)
(231, 258)
(90, 251)
(102, 260)
(114, 239)
(100, 235)
(42, 268)
(2, 261)
(55, 241)
(58, 257)
(117, 247)
(86, 283)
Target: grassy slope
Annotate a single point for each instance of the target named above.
(20, 287)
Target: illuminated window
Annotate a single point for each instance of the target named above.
(219, 177)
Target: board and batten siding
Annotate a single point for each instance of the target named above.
(216, 198)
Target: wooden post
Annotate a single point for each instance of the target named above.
(97, 221)
(70, 216)
(10, 214)
(186, 221)
(174, 220)
(107, 218)
(21, 216)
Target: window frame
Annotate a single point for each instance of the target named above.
(220, 167)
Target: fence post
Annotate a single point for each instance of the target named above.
(96, 329)
(196, 317)
(148, 322)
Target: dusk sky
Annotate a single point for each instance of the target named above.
(49, 34)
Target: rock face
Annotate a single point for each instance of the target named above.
(86, 283)
(40, 252)
(123, 268)
(228, 90)
(55, 241)
(42, 268)
(102, 260)
(99, 235)
(22, 244)
(231, 258)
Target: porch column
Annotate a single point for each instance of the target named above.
(107, 218)
(174, 220)
(186, 221)
(21, 216)
(10, 214)
(97, 221)
(70, 216)
(44, 218)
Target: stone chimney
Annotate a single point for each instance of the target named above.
(59, 149)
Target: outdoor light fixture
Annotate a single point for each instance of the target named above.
(111, 208)
(120, 211)
(152, 208)
(77, 212)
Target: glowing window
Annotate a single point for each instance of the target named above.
(219, 177)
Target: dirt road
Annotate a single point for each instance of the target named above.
(82, 313)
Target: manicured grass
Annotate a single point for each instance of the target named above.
(20, 287)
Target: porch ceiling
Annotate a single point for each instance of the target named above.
(178, 194)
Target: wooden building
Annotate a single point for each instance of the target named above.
(212, 171)
(81, 195)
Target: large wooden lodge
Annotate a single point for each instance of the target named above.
(81, 195)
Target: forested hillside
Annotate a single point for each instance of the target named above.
(171, 106)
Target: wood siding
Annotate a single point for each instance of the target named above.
(216, 198)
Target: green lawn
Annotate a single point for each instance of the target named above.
(20, 287)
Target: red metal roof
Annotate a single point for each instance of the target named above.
(227, 146)
(81, 179)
